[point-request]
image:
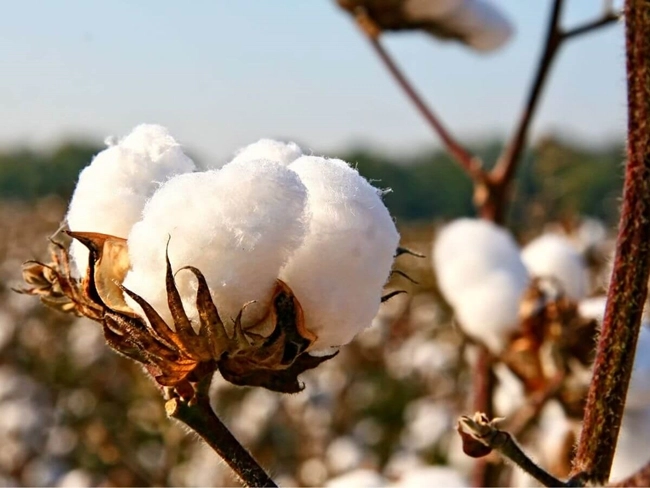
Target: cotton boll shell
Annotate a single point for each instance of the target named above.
(281, 152)
(553, 256)
(113, 189)
(480, 273)
(237, 225)
(339, 271)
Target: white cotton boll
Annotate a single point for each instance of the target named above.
(553, 256)
(593, 308)
(343, 454)
(431, 476)
(359, 478)
(237, 225)
(509, 395)
(554, 433)
(339, 271)
(480, 24)
(113, 189)
(426, 422)
(481, 274)
(281, 152)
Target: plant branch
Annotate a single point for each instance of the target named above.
(200, 417)
(466, 160)
(506, 167)
(481, 429)
(628, 287)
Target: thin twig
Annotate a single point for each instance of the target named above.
(201, 418)
(506, 167)
(628, 287)
(466, 160)
(484, 430)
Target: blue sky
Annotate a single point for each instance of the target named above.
(221, 74)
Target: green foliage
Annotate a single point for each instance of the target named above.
(557, 180)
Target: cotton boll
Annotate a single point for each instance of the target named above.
(552, 255)
(593, 308)
(509, 394)
(237, 225)
(345, 259)
(480, 24)
(281, 152)
(113, 189)
(480, 273)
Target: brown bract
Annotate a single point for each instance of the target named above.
(181, 356)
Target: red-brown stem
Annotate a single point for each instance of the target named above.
(464, 158)
(501, 176)
(483, 384)
(628, 288)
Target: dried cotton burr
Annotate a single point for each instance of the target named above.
(246, 269)
(113, 189)
(481, 274)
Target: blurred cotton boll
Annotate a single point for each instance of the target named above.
(477, 23)
(429, 476)
(113, 189)
(554, 256)
(278, 151)
(238, 225)
(359, 478)
(345, 259)
(481, 275)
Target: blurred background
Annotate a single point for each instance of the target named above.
(221, 75)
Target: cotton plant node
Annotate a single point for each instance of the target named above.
(179, 357)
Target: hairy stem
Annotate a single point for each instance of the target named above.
(200, 417)
(628, 288)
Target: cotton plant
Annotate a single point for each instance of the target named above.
(259, 269)
(481, 274)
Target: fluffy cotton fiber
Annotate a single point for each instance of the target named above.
(339, 271)
(278, 151)
(112, 190)
(553, 256)
(238, 225)
(478, 23)
(270, 213)
(482, 276)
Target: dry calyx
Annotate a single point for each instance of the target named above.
(180, 356)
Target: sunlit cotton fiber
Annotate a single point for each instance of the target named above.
(113, 189)
(238, 225)
(345, 259)
(553, 256)
(482, 276)
(281, 152)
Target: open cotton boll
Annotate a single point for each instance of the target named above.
(345, 259)
(113, 189)
(553, 256)
(480, 24)
(481, 274)
(237, 225)
(282, 152)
